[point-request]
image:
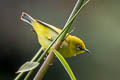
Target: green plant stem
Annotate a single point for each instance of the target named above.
(50, 57)
(37, 54)
(33, 59)
(19, 76)
(28, 75)
(75, 9)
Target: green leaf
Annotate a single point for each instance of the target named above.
(65, 64)
(28, 66)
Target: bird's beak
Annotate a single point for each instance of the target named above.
(86, 50)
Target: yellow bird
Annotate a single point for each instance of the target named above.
(46, 33)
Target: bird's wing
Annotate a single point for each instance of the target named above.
(52, 31)
(56, 30)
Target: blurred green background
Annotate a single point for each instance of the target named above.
(98, 25)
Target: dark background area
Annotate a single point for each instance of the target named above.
(98, 25)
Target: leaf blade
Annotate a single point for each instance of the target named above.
(27, 66)
(65, 64)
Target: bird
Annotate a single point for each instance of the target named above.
(46, 33)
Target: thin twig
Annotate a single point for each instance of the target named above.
(33, 59)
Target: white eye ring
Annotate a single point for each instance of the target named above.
(79, 47)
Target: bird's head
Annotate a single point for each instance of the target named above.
(77, 45)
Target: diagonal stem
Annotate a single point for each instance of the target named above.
(40, 74)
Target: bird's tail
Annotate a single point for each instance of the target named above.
(27, 18)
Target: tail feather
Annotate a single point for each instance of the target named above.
(27, 18)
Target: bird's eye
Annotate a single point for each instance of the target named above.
(79, 47)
